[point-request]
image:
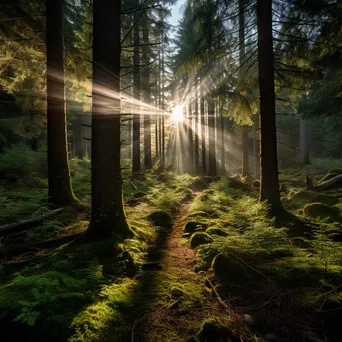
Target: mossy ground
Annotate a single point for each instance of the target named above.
(154, 287)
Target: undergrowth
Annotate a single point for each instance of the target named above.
(268, 263)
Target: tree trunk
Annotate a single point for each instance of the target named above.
(269, 189)
(304, 142)
(107, 214)
(203, 131)
(60, 192)
(212, 143)
(162, 145)
(242, 53)
(147, 99)
(190, 138)
(78, 136)
(136, 94)
(223, 150)
(196, 148)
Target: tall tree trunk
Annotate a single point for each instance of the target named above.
(255, 145)
(269, 190)
(162, 132)
(190, 137)
(223, 150)
(136, 94)
(212, 142)
(77, 129)
(147, 98)
(304, 142)
(203, 131)
(60, 192)
(107, 214)
(196, 147)
(242, 53)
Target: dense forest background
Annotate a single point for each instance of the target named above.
(163, 183)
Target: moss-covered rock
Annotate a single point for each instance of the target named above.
(212, 330)
(161, 219)
(198, 185)
(200, 238)
(191, 226)
(228, 269)
(237, 184)
(217, 231)
(323, 211)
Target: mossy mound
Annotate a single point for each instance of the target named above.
(192, 226)
(198, 185)
(217, 231)
(212, 330)
(299, 199)
(228, 269)
(323, 211)
(161, 219)
(200, 238)
(237, 184)
(198, 213)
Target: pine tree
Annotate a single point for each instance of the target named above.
(269, 190)
(60, 192)
(107, 216)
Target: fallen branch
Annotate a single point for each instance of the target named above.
(225, 306)
(330, 184)
(25, 224)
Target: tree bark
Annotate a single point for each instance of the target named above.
(212, 142)
(242, 53)
(203, 131)
(147, 99)
(269, 190)
(223, 150)
(190, 138)
(304, 142)
(136, 166)
(196, 147)
(60, 191)
(107, 213)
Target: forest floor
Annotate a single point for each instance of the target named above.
(185, 301)
(203, 265)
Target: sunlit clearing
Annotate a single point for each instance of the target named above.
(177, 114)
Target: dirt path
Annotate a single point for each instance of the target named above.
(178, 298)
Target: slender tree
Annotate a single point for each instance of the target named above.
(60, 192)
(212, 144)
(107, 216)
(147, 97)
(268, 146)
(136, 93)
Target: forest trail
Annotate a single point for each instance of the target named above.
(178, 297)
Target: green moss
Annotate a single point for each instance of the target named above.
(323, 211)
(217, 231)
(228, 269)
(198, 185)
(200, 238)
(213, 330)
(161, 219)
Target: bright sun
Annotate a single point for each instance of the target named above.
(177, 114)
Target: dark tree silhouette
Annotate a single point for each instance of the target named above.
(268, 146)
(60, 192)
(107, 215)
